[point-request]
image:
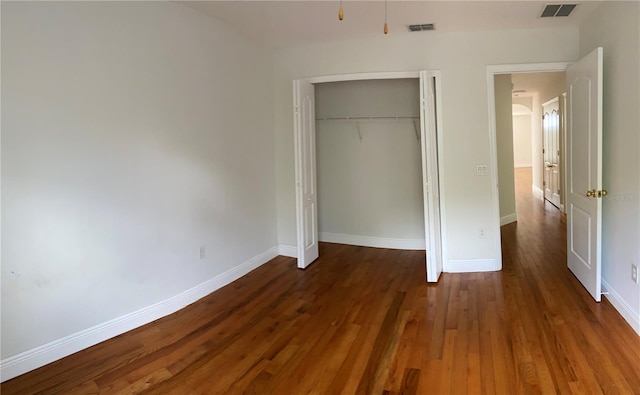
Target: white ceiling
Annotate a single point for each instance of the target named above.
(286, 23)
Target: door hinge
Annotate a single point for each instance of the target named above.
(543, 150)
(544, 183)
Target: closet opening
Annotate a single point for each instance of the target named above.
(366, 157)
(369, 163)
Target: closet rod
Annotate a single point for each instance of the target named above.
(360, 118)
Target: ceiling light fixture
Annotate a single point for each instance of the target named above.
(386, 28)
(340, 12)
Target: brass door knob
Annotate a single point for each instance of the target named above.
(591, 193)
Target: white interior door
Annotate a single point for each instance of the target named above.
(551, 151)
(429, 95)
(584, 170)
(305, 163)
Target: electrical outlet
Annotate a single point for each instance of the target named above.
(482, 233)
(634, 273)
(203, 252)
(482, 170)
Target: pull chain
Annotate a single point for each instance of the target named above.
(386, 28)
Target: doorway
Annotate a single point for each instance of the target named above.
(368, 156)
(530, 138)
(584, 160)
(306, 171)
(552, 118)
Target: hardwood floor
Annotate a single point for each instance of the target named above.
(364, 321)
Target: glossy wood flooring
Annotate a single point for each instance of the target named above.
(363, 321)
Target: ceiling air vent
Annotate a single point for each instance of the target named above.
(422, 28)
(552, 10)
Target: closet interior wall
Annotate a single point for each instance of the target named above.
(369, 163)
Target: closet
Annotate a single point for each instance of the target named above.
(368, 163)
(367, 152)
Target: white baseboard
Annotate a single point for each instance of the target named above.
(537, 192)
(507, 219)
(31, 359)
(369, 241)
(521, 165)
(632, 317)
(289, 251)
(472, 266)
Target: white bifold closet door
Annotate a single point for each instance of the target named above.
(305, 166)
(305, 157)
(429, 110)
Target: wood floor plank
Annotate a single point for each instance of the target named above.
(410, 380)
(363, 320)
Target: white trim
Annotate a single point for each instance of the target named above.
(537, 192)
(290, 251)
(521, 165)
(364, 76)
(493, 169)
(370, 241)
(527, 68)
(473, 265)
(39, 356)
(507, 219)
(554, 100)
(632, 317)
(563, 132)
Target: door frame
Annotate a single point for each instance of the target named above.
(439, 146)
(493, 70)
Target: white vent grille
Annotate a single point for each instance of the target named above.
(422, 28)
(553, 10)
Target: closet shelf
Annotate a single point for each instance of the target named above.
(414, 119)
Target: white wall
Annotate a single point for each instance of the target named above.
(369, 171)
(463, 60)
(525, 101)
(615, 27)
(504, 143)
(132, 134)
(522, 140)
(537, 161)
